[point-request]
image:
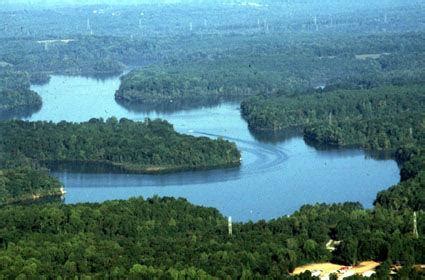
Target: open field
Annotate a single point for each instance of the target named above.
(370, 55)
(323, 270)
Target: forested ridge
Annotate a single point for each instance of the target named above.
(167, 238)
(206, 68)
(212, 18)
(149, 146)
(78, 55)
(295, 65)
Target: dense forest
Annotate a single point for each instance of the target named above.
(216, 59)
(15, 93)
(25, 184)
(296, 64)
(408, 194)
(18, 99)
(149, 146)
(168, 238)
(82, 55)
(345, 73)
(194, 18)
(287, 110)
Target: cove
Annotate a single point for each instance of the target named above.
(276, 177)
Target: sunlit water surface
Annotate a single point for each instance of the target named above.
(275, 178)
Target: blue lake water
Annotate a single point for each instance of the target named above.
(275, 178)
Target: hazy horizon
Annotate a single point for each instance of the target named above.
(143, 2)
(98, 2)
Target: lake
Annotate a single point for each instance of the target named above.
(277, 175)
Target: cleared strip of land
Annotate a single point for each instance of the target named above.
(323, 270)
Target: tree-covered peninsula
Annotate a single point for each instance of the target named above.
(266, 64)
(26, 184)
(15, 93)
(15, 100)
(151, 146)
(389, 119)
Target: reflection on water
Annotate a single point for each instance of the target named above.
(276, 136)
(279, 172)
(83, 167)
(378, 155)
(101, 77)
(169, 107)
(43, 200)
(273, 180)
(286, 134)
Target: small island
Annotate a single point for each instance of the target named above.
(152, 146)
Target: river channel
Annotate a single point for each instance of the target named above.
(277, 175)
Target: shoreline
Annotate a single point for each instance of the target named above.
(35, 198)
(117, 168)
